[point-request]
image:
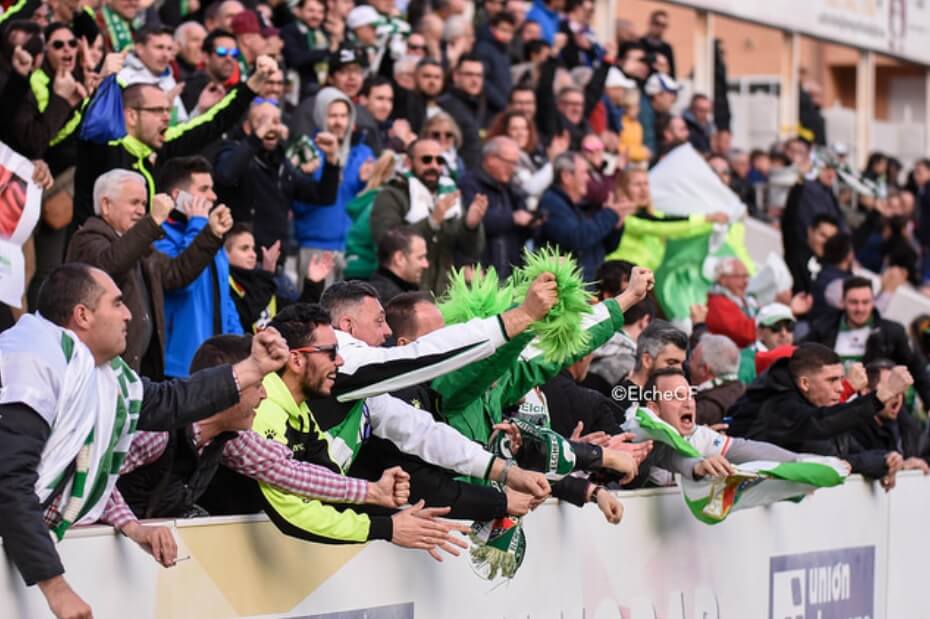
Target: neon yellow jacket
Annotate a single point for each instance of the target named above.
(645, 235)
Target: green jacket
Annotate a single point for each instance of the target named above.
(361, 253)
(474, 398)
(279, 418)
(644, 237)
(453, 239)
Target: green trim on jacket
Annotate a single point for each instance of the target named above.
(643, 240)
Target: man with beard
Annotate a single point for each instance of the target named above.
(428, 202)
(148, 141)
(259, 183)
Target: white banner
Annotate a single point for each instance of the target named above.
(895, 27)
(20, 204)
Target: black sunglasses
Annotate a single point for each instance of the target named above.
(783, 325)
(60, 45)
(428, 159)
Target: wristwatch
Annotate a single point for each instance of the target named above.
(597, 490)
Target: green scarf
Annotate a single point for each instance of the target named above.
(118, 29)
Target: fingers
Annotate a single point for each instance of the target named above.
(576, 433)
(433, 512)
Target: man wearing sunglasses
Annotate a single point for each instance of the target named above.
(427, 201)
(220, 70)
(148, 139)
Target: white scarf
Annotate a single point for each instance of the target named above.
(92, 412)
(422, 200)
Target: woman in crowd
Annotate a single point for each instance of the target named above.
(443, 129)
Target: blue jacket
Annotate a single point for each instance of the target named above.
(325, 226)
(191, 313)
(547, 19)
(587, 237)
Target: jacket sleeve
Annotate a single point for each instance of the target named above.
(677, 228)
(297, 54)
(117, 257)
(174, 404)
(173, 247)
(595, 88)
(14, 94)
(191, 137)
(33, 130)
(547, 116)
(828, 421)
(318, 192)
(415, 432)
(181, 271)
(725, 318)
(742, 450)
(20, 10)
(232, 161)
(368, 371)
(575, 233)
(388, 212)
(26, 539)
(572, 490)
(904, 352)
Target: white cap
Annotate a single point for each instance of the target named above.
(773, 313)
(616, 79)
(660, 82)
(363, 15)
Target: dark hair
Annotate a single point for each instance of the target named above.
(856, 281)
(531, 48)
(68, 286)
(400, 312)
(698, 97)
(646, 307)
(649, 392)
(655, 337)
(374, 81)
(610, 277)
(54, 27)
(837, 248)
(296, 323)
(143, 34)
(221, 350)
(428, 61)
(811, 357)
(823, 218)
(629, 46)
(521, 88)
(177, 172)
(218, 33)
(503, 18)
(658, 13)
(756, 153)
(133, 95)
(502, 121)
(340, 296)
(469, 57)
(394, 240)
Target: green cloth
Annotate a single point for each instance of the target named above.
(361, 253)
(747, 365)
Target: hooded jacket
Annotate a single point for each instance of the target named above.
(326, 225)
(134, 72)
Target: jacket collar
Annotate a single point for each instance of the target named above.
(401, 283)
(280, 396)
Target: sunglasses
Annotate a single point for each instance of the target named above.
(416, 48)
(429, 159)
(439, 135)
(222, 52)
(60, 45)
(332, 350)
(783, 325)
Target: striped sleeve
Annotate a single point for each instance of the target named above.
(370, 371)
(272, 463)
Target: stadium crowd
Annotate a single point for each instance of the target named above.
(237, 300)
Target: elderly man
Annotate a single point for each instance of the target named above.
(713, 370)
(401, 263)
(68, 410)
(427, 201)
(188, 38)
(507, 222)
(567, 225)
(730, 311)
(147, 112)
(118, 240)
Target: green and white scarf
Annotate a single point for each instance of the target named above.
(118, 29)
(422, 200)
(92, 412)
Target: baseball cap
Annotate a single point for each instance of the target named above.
(616, 79)
(660, 82)
(364, 15)
(773, 313)
(247, 22)
(344, 56)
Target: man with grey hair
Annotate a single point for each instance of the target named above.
(507, 222)
(660, 345)
(713, 370)
(588, 236)
(730, 310)
(118, 240)
(188, 39)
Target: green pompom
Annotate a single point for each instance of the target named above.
(482, 298)
(560, 334)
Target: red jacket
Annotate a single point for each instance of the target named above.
(724, 317)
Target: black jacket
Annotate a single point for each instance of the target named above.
(570, 403)
(389, 285)
(903, 435)
(549, 121)
(497, 79)
(23, 433)
(504, 240)
(299, 56)
(259, 186)
(470, 114)
(887, 340)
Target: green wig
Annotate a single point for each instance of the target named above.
(481, 298)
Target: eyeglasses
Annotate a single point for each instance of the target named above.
(332, 350)
(161, 111)
(222, 52)
(416, 48)
(60, 45)
(475, 74)
(441, 135)
(429, 159)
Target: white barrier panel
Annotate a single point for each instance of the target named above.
(852, 551)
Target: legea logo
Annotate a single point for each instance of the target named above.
(833, 584)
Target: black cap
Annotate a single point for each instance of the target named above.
(346, 55)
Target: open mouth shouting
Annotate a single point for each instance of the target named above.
(686, 422)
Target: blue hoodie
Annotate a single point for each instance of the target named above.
(325, 226)
(189, 311)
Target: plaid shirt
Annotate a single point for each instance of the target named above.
(251, 455)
